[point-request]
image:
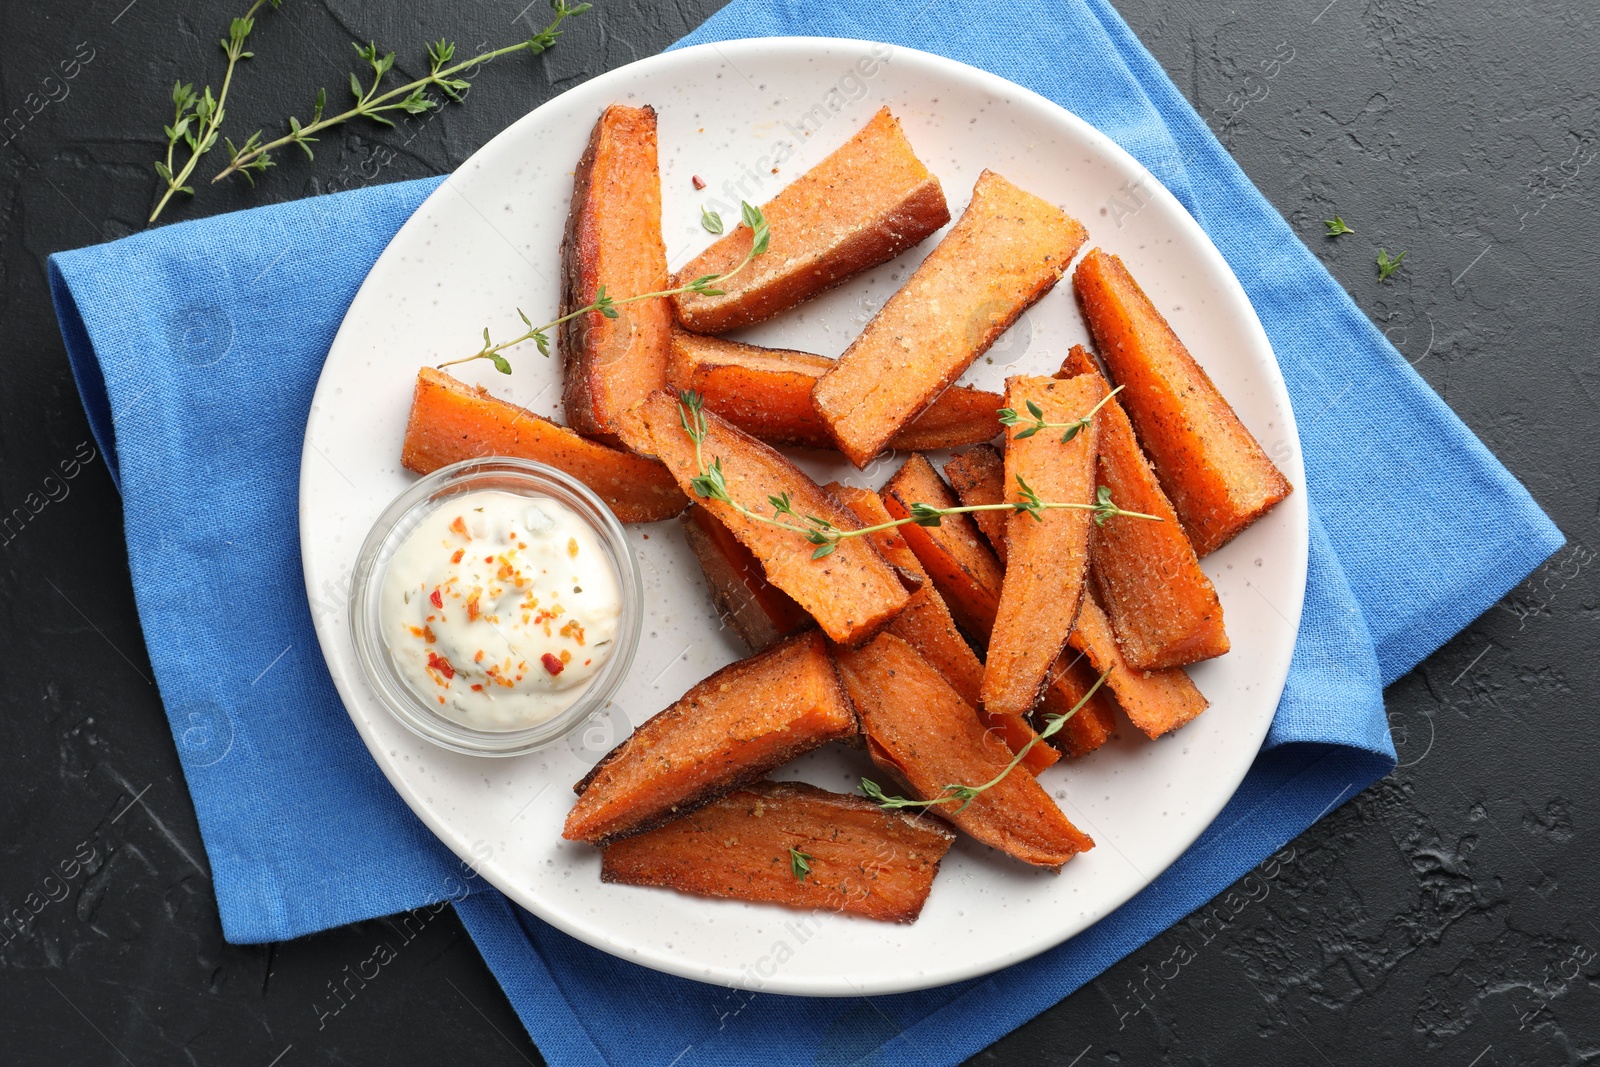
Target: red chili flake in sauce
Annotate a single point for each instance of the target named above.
(473, 610)
(460, 526)
(476, 688)
(457, 557)
(552, 664)
(436, 597)
(440, 664)
(699, 182)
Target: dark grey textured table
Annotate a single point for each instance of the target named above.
(1444, 916)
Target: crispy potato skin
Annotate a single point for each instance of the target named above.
(613, 238)
(1162, 606)
(863, 205)
(926, 626)
(966, 573)
(766, 392)
(756, 610)
(730, 729)
(452, 421)
(1047, 558)
(852, 593)
(1212, 469)
(1157, 702)
(1008, 249)
(863, 860)
(921, 733)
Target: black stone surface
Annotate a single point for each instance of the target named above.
(1444, 916)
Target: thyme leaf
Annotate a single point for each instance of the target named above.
(799, 863)
(1387, 266)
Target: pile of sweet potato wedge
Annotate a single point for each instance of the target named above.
(942, 648)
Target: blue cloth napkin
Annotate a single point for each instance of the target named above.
(197, 346)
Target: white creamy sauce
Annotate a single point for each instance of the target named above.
(500, 609)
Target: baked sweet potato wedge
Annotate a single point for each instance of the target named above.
(852, 855)
(613, 238)
(1162, 606)
(1071, 682)
(925, 737)
(961, 415)
(1047, 558)
(752, 607)
(978, 476)
(966, 573)
(952, 553)
(730, 729)
(863, 205)
(851, 592)
(926, 625)
(766, 392)
(1215, 473)
(452, 421)
(1157, 702)
(1008, 249)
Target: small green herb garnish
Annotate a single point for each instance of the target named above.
(1009, 417)
(966, 794)
(1336, 226)
(412, 98)
(607, 305)
(800, 863)
(711, 484)
(1387, 266)
(196, 116)
(711, 221)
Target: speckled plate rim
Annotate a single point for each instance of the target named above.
(1287, 540)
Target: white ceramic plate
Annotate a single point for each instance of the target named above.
(486, 243)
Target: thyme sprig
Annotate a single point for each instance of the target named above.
(1009, 417)
(711, 483)
(966, 794)
(705, 285)
(375, 103)
(799, 863)
(196, 117)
